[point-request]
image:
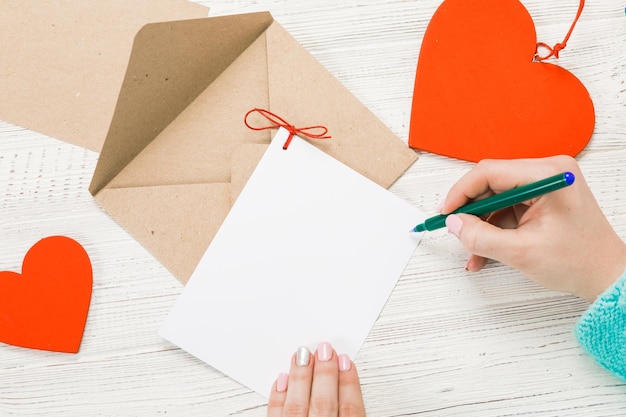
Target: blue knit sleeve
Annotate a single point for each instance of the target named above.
(601, 330)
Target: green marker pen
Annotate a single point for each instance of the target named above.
(503, 200)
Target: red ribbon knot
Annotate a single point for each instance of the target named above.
(554, 51)
(277, 121)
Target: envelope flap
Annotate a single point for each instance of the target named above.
(174, 222)
(306, 93)
(170, 65)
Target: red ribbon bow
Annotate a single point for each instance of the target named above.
(277, 121)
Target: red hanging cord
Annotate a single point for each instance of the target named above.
(554, 51)
(278, 121)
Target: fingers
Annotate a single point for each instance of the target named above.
(324, 392)
(299, 384)
(495, 176)
(483, 240)
(325, 386)
(276, 401)
(350, 396)
(475, 263)
(504, 219)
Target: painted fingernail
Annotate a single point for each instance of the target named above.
(281, 382)
(303, 356)
(344, 362)
(454, 224)
(324, 352)
(440, 206)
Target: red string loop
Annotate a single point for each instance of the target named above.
(554, 51)
(277, 121)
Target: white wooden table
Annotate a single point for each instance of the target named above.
(448, 343)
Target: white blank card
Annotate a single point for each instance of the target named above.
(309, 253)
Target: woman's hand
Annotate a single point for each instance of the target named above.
(561, 240)
(321, 385)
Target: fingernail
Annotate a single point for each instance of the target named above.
(324, 352)
(303, 356)
(281, 382)
(454, 224)
(467, 265)
(344, 362)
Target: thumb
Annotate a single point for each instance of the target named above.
(482, 238)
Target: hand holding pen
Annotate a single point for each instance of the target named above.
(561, 239)
(502, 200)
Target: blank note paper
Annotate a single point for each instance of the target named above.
(309, 253)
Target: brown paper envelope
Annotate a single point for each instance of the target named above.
(178, 153)
(63, 62)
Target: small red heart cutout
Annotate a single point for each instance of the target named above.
(45, 307)
(479, 94)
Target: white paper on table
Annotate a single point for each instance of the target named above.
(309, 253)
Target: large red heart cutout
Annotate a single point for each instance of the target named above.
(480, 94)
(45, 307)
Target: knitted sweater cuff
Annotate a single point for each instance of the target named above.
(601, 330)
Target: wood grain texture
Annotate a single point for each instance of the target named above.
(448, 343)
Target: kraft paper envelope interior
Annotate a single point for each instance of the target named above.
(63, 61)
(309, 253)
(178, 153)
